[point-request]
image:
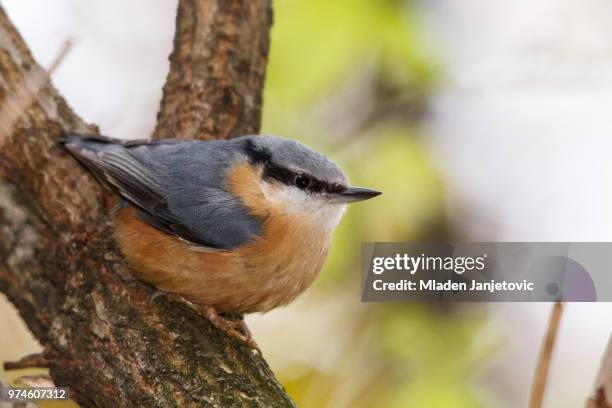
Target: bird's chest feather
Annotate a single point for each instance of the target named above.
(289, 254)
(270, 271)
(286, 260)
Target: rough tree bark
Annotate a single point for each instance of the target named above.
(58, 262)
(213, 89)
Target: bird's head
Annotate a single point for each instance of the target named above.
(301, 180)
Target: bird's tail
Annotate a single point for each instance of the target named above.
(87, 149)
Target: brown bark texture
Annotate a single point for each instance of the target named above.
(59, 265)
(217, 67)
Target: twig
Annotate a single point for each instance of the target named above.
(35, 360)
(26, 92)
(541, 374)
(35, 381)
(61, 55)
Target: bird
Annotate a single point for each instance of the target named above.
(234, 226)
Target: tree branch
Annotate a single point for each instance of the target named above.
(217, 68)
(58, 262)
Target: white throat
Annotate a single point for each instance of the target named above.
(316, 209)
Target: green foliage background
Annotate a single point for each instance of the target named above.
(321, 52)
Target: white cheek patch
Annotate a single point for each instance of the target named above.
(332, 215)
(307, 205)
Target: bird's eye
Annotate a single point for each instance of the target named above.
(302, 182)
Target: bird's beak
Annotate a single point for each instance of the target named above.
(353, 194)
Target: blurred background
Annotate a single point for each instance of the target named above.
(481, 120)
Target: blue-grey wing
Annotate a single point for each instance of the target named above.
(177, 186)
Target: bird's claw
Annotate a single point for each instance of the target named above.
(234, 327)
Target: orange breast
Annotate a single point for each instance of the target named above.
(267, 272)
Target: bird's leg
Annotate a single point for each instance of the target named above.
(235, 327)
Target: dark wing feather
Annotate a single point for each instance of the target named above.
(111, 164)
(149, 182)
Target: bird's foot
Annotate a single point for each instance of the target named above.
(234, 327)
(169, 295)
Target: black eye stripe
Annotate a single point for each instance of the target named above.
(263, 157)
(289, 177)
(281, 174)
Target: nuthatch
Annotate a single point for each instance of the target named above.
(236, 226)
